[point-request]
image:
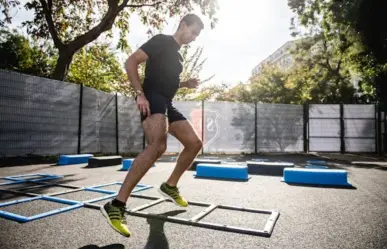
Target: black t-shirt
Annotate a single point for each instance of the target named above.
(164, 65)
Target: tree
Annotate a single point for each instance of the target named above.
(321, 73)
(193, 65)
(353, 22)
(210, 92)
(21, 55)
(269, 86)
(71, 25)
(96, 66)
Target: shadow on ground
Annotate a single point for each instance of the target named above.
(36, 188)
(112, 246)
(157, 238)
(26, 161)
(351, 187)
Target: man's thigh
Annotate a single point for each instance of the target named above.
(155, 125)
(155, 128)
(183, 131)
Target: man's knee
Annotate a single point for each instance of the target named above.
(161, 148)
(195, 144)
(159, 145)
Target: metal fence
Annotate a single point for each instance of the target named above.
(46, 117)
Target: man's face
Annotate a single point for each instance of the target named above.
(190, 32)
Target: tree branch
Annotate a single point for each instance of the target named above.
(105, 24)
(51, 27)
(338, 66)
(143, 5)
(49, 2)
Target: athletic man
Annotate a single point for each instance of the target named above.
(158, 115)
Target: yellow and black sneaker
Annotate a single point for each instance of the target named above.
(116, 218)
(173, 194)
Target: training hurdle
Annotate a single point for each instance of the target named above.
(205, 160)
(266, 231)
(127, 164)
(196, 220)
(318, 162)
(327, 177)
(103, 161)
(30, 177)
(74, 159)
(316, 167)
(268, 168)
(22, 219)
(222, 171)
(55, 197)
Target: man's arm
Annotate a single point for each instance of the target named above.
(131, 67)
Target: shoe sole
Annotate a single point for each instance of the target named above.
(109, 222)
(170, 198)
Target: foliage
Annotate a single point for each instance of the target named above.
(270, 87)
(193, 65)
(94, 65)
(21, 55)
(321, 72)
(97, 67)
(354, 27)
(71, 25)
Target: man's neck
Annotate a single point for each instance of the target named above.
(176, 36)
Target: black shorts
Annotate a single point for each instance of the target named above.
(160, 104)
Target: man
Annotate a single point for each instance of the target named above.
(158, 115)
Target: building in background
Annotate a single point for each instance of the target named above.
(281, 58)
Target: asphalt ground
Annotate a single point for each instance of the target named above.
(310, 216)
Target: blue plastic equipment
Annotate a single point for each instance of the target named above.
(316, 167)
(127, 164)
(222, 171)
(333, 177)
(319, 162)
(74, 159)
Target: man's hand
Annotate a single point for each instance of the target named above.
(191, 83)
(143, 105)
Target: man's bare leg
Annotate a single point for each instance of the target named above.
(155, 129)
(185, 133)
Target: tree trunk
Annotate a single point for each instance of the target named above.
(63, 64)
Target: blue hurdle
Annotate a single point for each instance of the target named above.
(332, 177)
(222, 171)
(127, 164)
(319, 162)
(316, 167)
(74, 159)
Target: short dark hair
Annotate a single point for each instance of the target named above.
(190, 19)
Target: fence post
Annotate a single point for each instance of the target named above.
(380, 152)
(342, 129)
(306, 127)
(203, 126)
(256, 129)
(80, 118)
(117, 131)
(385, 131)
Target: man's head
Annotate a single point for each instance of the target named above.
(189, 28)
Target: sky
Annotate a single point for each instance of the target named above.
(247, 32)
